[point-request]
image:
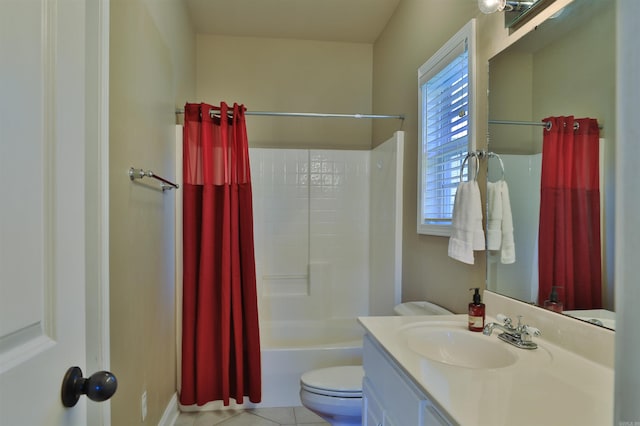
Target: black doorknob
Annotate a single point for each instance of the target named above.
(98, 387)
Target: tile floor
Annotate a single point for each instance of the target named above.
(286, 416)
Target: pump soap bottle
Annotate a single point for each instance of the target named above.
(476, 312)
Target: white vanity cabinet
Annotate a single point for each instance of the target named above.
(390, 397)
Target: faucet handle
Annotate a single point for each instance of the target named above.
(531, 331)
(503, 318)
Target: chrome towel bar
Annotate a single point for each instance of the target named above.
(140, 173)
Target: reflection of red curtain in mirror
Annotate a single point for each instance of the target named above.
(220, 338)
(569, 237)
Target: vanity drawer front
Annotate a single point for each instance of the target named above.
(403, 403)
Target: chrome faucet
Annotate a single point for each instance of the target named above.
(519, 336)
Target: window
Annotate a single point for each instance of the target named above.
(445, 86)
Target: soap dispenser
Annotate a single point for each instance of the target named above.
(476, 312)
(553, 303)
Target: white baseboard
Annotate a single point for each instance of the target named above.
(171, 413)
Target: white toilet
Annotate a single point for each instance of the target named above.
(335, 393)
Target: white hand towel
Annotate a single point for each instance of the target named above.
(500, 221)
(466, 225)
(494, 215)
(508, 249)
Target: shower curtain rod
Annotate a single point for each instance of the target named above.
(545, 124)
(314, 114)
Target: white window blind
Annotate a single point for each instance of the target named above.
(444, 83)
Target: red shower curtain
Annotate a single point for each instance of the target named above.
(569, 236)
(220, 336)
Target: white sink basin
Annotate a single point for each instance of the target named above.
(457, 346)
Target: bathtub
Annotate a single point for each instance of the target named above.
(289, 348)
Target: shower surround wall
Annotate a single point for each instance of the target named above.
(321, 219)
(311, 227)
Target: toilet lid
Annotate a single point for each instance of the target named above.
(345, 381)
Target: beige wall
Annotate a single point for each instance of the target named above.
(511, 98)
(152, 69)
(415, 32)
(290, 76)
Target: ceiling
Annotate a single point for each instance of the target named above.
(356, 21)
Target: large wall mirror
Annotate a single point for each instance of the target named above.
(564, 67)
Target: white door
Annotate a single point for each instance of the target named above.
(43, 69)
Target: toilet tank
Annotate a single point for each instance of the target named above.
(420, 308)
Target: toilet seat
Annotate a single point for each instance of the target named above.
(343, 381)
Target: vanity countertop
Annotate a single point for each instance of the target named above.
(547, 386)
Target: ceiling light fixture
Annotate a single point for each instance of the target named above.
(492, 6)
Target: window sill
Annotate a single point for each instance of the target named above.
(434, 230)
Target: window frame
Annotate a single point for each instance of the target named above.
(467, 34)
